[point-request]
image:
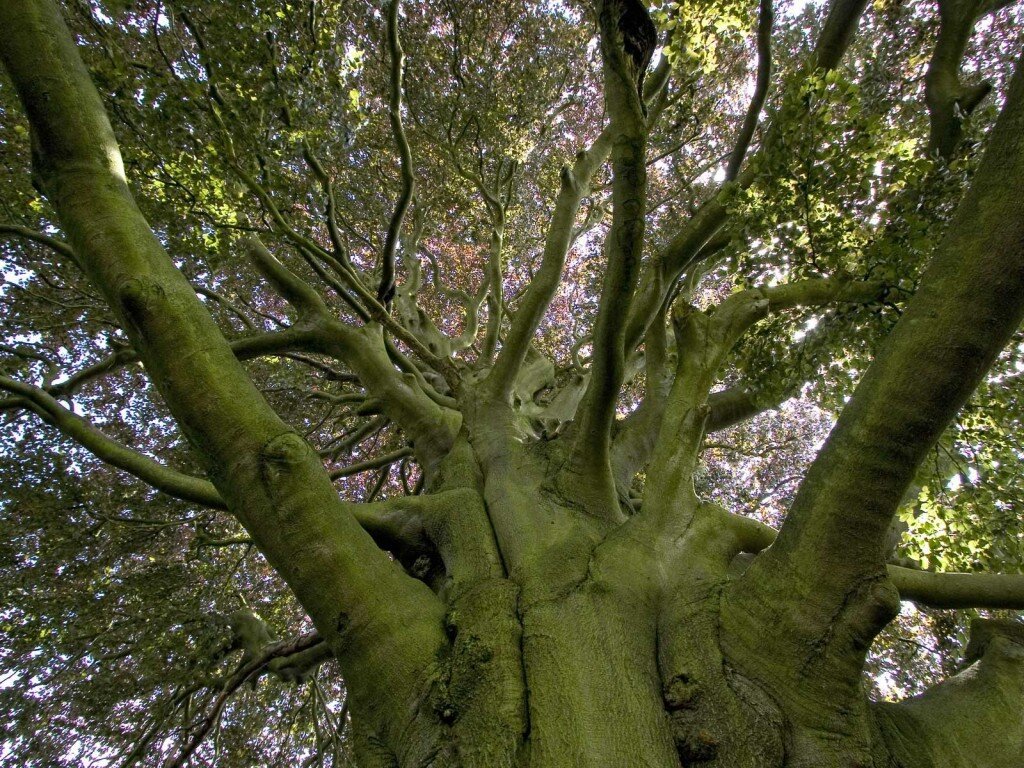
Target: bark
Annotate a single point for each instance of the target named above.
(514, 614)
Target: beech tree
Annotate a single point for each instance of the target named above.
(446, 384)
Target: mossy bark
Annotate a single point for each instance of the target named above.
(528, 618)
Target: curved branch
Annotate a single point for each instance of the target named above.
(575, 185)
(948, 100)
(55, 245)
(970, 720)
(703, 342)
(590, 457)
(169, 481)
(301, 644)
(764, 72)
(386, 289)
(292, 288)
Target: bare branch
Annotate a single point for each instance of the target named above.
(575, 185)
(959, 590)
(949, 101)
(623, 79)
(386, 289)
(836, 35)
(303, 643)
(295, 291)
(55, 245)
(764, 72)
(376, 463)
(169, 481)
(971, 717)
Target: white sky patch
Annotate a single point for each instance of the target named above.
(809, 326)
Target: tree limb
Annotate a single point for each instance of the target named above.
(830, 553)
(272, 481)
(972, 718)
(55, 245)
(169, 481)
(762, 81)
(575, 185)
(991, 591)
(293, 289)
(386, 289)
(590, 457)
(949, 101)
(959, 590)
(925, 371)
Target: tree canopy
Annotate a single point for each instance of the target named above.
(414, 234)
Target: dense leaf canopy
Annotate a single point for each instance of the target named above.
(277, 119)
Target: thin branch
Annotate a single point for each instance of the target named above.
(575, 186)
(162, 478)
(277, 650)
(386, 289)
(376, 463)
(764, 71)
(55, 245)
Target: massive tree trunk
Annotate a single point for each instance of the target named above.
(593, 644)
(531, 615)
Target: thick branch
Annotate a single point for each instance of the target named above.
(836, 35)
(971, 720)
(949, 102)
(292, 288)
(823, 584)
(959, 590)
(970, 301)
(269, 477)
(685, 247)
(732, 406)
(590, 457)
(929, 588)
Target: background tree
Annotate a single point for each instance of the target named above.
(448, 383)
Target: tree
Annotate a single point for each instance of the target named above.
(324, 260)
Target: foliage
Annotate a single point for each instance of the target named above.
(116, 630)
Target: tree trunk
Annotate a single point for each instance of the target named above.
(528, 618)
(591, 644)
